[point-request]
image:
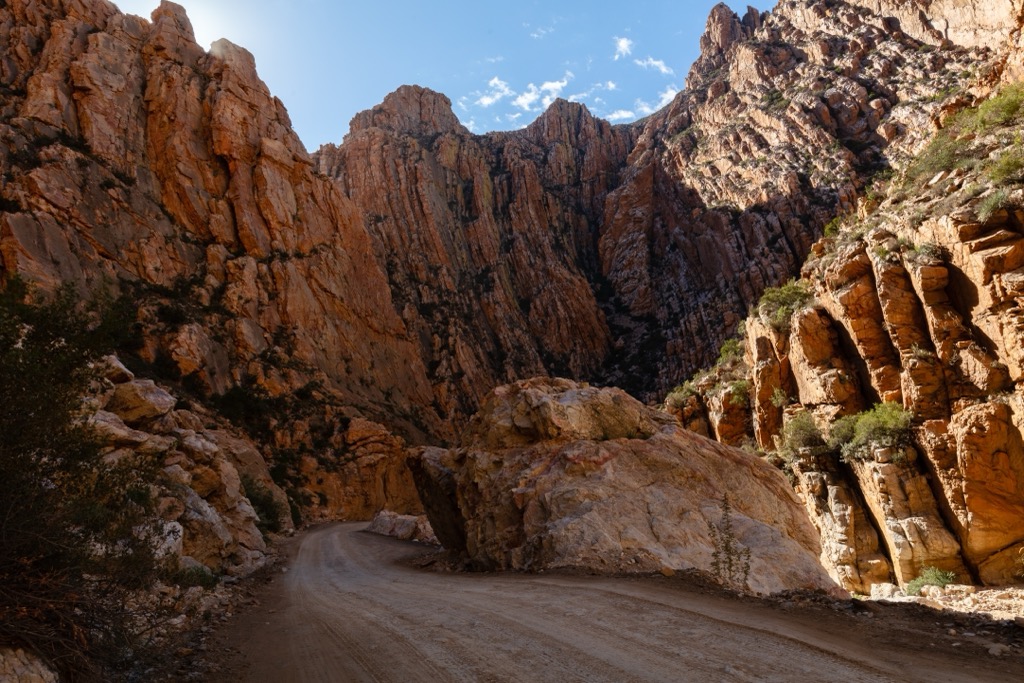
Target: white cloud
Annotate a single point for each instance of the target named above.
(494, 60)
(651, 63)
(547, 93)
(552, 89)
(541, 31)
(621, 115)
(665, 97)
(526, 98)
(623, 48)
(512, 118)
(589, 93)
(498, 90)
(462, 103)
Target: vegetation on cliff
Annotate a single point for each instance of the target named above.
(76, 533)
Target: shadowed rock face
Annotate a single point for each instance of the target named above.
(556, 474)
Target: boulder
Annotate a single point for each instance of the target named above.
(557, 475)
(403, 527)
(140, 400)
(24, 667)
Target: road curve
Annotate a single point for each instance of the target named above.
(349, 610)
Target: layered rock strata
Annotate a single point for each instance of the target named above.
(397, 277)
(916, 301)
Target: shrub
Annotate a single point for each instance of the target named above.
(801, 433)
(988, 206)
(1003, 109)
(779, 398)
(267, 508)
(732, 350)
(778, 304)
(1008, 166)
(833, 227)
(887, 425)
(930, 576)
(76, 535)
(927, 252)
(945, 152)
(739, 392)
(677, 397)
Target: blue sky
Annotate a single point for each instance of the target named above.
(500, 63)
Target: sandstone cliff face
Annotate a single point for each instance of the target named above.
(433, 264)
(916, 301)
(626, 254)
(133, 155)
(216, 495)
(555, 474)
(394, 279)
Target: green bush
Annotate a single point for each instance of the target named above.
(677, 397)
(930, 576)
(946, 151)
(801, 433)
(778, 304)
(887, 425)
(732, 350)
(739, 392)
(1001, 110)
(77, 532)
(1008, 166)
(779, 398)
(988, 206)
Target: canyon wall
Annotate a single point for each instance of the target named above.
(340, 304)
(915, 302)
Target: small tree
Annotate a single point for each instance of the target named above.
(730, 560)
(74, 532)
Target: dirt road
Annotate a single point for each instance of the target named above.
(350, 609)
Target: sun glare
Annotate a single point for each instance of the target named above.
(208, 24)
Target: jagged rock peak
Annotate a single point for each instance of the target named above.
(177, 16)
(411, 109)
(724, 28)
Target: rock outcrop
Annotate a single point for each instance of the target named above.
(23, 667)
(916, 302)
(340, 305)
(410, 269)
(403, 527)
(554, 474)
(215, 493)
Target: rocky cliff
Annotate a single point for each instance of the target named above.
(383, 286)
(914, 302)
(627, 254)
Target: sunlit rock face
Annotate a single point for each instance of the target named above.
(553, 474)
(394, 279)
(415, 266)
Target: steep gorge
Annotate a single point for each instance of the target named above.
(390, 282)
